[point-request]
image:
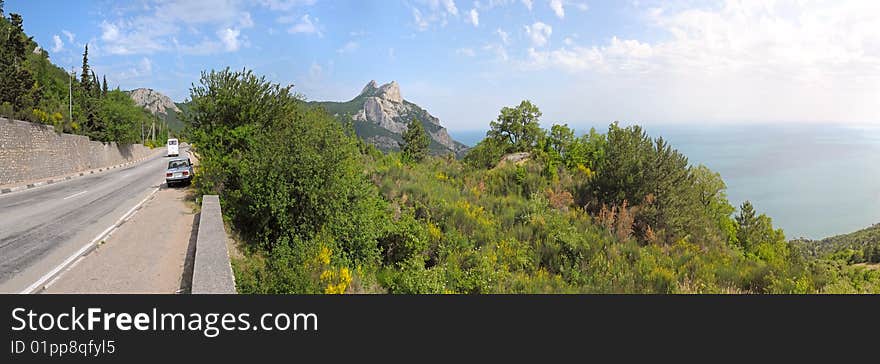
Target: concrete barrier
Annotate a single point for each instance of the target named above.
(212, 271)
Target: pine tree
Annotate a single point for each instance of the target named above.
(104, 87)
(415, 142)
(746, 224)
(1, 7)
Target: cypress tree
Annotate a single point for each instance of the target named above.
(104, 88)
(17, 41)
(85, 80)
(96, 90)
(16, 81)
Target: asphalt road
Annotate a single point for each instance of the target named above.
(151, 253)
(42, 227)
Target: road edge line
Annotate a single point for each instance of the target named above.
(38, 285)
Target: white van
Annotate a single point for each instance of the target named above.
(173, 148)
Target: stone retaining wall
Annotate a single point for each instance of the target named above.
(30, 151)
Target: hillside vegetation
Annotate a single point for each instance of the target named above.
(862, 246)
(34, 89)
(319, 211)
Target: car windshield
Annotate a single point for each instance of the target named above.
(172, 142)
(176, 164)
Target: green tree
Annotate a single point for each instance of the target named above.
(710, 190)
(874, 256)
(753, 231)
(17, 86)
(289, 177)
(517, 128)
(651, 174)
(746, 225)
(104, 87)
(85, 78)
(560, 141)
(122, 117)
(415, 142)
(486, 154)
(96, 86)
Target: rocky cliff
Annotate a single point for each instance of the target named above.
(153, 101)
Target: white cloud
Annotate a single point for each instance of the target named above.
(58, 44)
(539, 33)
(349, 47)
(391, 55)
(157, 25)
(109, 32)
(246, 20)
(474, 17)
(306, 26)
(420, 20)
(316, 71)
(70, 36)
(467, 52)
(528, 4)
(137, 71)
(229, 37)
(505, 38)
(285, 4)
(450, 7)
(146, 66)
(784, 60)
(499, 51)
(428, 12)
(556, 5)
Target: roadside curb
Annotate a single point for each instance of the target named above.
(71, 176)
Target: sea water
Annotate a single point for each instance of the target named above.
(813, 180)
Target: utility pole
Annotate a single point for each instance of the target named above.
(70, 94)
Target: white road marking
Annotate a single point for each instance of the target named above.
(75, 194)
(33, 287)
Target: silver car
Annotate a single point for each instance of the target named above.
(179, 170)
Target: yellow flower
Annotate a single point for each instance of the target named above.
(337, 281)
(434, 232)
(324, 255)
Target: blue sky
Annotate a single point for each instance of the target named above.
(583, 62)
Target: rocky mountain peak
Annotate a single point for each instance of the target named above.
(153, 101)
(389, 92)
(381, 116)
(370, 88)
